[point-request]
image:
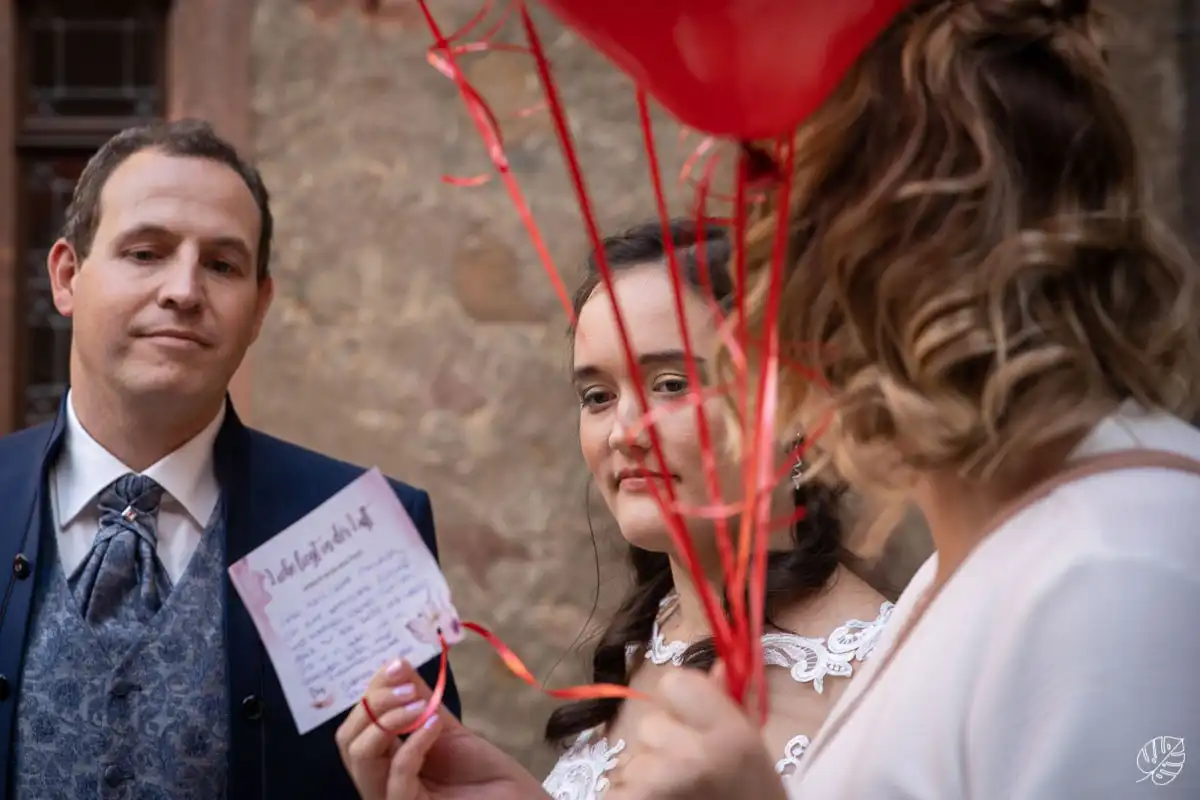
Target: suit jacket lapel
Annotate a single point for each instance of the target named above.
(23, 471)
(233, 463)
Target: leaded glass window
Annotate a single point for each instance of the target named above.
(88, 69)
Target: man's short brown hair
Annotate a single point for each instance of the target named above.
(186, 138)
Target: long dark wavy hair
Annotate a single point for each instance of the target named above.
(792, 575)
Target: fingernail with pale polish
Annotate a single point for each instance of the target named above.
(404, 690)
(429, 723)
(395, 667)
(417, 706)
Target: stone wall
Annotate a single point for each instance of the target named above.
(414, 329)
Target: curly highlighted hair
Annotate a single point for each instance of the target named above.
(975, 272)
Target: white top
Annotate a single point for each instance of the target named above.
(1062, 661)
(85, 469)
(581, 772)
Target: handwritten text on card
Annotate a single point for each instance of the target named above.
(341, 591)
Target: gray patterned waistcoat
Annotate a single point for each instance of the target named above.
(136, 711)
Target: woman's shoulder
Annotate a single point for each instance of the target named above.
(1096, 512)
(1144, 519)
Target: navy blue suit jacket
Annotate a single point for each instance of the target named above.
(267, 484)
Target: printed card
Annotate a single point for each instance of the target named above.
(340, 592)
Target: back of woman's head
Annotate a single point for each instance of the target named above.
(974, 258)
(703, 254)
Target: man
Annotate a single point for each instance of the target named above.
(129, 667)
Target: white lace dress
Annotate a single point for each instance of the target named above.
(581, 773)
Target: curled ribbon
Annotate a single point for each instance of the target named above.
(515, 666)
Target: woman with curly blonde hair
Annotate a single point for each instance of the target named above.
(1007, 338)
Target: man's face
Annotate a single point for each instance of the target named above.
(167, 301)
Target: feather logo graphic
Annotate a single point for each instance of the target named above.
(1161, 760)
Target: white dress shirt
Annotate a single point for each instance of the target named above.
(84, 469)
(1059, 662)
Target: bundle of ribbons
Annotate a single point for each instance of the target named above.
(745, 73)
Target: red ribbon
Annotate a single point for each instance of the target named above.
(761, 172)
(516, 666)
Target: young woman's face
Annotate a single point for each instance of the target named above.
(612, 433)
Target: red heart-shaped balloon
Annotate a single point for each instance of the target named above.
(746, 69)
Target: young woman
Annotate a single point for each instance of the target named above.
(823, 619)
(1011, 343)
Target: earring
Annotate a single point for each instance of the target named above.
(801, 466)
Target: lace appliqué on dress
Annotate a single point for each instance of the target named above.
(658, 650)
(791, 755)
(580, 772)
(810, 659)
(662, 652)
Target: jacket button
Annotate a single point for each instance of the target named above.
(252, 707)
(21, 566)
(4, 690)
(114, 776)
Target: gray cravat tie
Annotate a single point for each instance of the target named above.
(122, 575)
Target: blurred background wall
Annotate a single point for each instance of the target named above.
(413, 327)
